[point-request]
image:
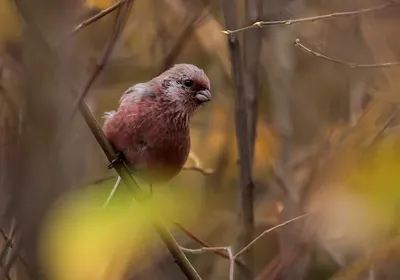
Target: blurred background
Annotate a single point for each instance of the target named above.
(293, 129)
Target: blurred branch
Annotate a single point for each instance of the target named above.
(385, 126)
(216, 249)
(252, 51)
(97, 17)
(268, 231)
(364, 262)
(9, 241)
(182, 39)
(241, 121)
(298, 44)
(261, 24)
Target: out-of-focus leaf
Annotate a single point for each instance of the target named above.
(9, 24)
(377, 179)
(82, 239)
(99, 4)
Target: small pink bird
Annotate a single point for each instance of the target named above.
(150, 129)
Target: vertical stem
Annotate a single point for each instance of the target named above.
(242, 135)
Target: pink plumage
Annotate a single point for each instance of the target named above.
(151, 126)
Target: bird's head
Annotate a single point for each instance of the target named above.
(185, 84)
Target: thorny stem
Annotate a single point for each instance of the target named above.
(306, 49)
(261, 24)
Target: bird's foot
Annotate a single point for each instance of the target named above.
(119, 158)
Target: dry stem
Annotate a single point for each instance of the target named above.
(261, 24)
(298, 44)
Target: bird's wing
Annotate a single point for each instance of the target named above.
(109, 114)
(136, 93)
(132, 95)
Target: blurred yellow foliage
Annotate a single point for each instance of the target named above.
(99, 4)
(377, 179)
(10, 28)
(84, 240)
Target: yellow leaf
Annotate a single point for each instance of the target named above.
(83, 240)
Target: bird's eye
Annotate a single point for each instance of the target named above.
(188, 83)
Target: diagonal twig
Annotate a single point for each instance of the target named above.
(267, 231)
(120, 20)
(8, 240)
(260, 24)
(306, 49)
(97, 17)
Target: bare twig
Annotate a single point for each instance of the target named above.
(268, 231)
(261, 24)
(231, 263)
(220, 253)
(97, 17)
(215, 249)
(203, 249)
(298, 44)
(120, 20)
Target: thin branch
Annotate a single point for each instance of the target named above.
(215, 249)
(120, 20)
(231, 263)
(220, 253)
(203, 249)
(298, 44)
(97, 17)
(9, 241)
(268, 231)
(261, 24)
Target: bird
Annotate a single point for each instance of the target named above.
(150, 130)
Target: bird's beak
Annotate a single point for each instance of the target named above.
(203, 96)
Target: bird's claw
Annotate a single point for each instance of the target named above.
(119, 157)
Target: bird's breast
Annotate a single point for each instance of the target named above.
(162, 156)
